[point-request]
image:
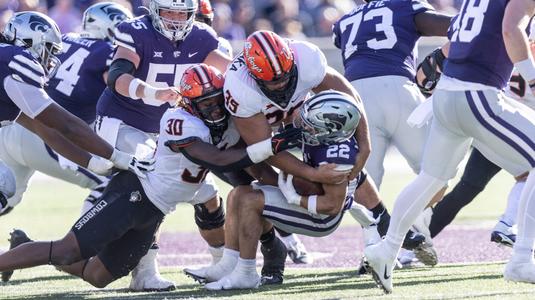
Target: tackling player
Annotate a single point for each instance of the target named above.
(469, 108)
(111, 238)
(152, 53)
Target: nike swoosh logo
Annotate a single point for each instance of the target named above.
(386, 275)
(192, 54)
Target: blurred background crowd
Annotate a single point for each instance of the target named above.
(234, 19)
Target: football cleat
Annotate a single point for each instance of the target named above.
(16, 237)
(520, 271)
(235, 280)
(503, 234)
(413, 240)
(147, 278)
(274, 259)
(426, 254)
(379, 266)
(298, 253)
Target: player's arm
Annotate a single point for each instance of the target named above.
(121, 80)
(256, 128)
(218, 59)
(212, 158)
(432, 23)
(335, 81)
(430, 69)
(515, 20)
(330, 203)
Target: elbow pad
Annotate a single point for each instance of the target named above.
(117, 68)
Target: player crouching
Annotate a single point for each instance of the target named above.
(109, 240)
(329, 120)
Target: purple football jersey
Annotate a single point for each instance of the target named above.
(79, 81)
(17, 62)
(477, 52)
(162, 64)
(343, 153)
(379, 38)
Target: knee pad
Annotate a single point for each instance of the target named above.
(7, 181)
(206, 220)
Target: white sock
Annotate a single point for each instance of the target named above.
(86, 206)
(229, 259)
(513, 200)
(523, 248)
(217, 253)
(292, 239)
(409, 204)
(246, 266)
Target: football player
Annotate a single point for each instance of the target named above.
(30, 42)
(76, 86)
(109, 240)
(328, 120)
(479, 170)
(205, 14)
(152, 53)
(378, 42)
(469, 108)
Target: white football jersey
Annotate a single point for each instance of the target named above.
(175, 178)
(243, 97)
(518, 88)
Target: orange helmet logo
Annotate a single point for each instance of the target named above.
(267, 55)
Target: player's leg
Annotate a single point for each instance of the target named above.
(477, 174)
(372, 92)
(436, 170)
(505, 231)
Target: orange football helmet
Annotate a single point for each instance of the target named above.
(205, 13)
(270, 62)
(201, 88)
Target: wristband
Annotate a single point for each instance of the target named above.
(312, 204)
(150, 91)
(260, 151)
(526, 68)
(132, 88)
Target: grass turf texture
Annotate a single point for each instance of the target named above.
(51, 207)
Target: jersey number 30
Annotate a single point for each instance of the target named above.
(384, 26)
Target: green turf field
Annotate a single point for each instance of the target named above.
(50, 208)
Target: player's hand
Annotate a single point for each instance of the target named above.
(100, 166)
(141, 166)
(328, 174)
(287, 188)
(286, 139)
(170, 95)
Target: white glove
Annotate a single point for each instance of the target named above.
(125, 161)
(100, 166)
(288, 190)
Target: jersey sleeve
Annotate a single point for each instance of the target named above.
(130, 34)
(25, 68)
(102, 56)
(312, 65)
(337, 35)
(240, 100)
(30, 99)
(419, 6)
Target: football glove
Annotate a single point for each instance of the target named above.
(429, 66)
(125, 161)
(287, 188)
(286, 139)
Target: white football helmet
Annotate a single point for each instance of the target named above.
(173, 29)
(100, 19)
(328, 117)
(39, 34)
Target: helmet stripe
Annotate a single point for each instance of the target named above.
(271, 53)
(203, 78)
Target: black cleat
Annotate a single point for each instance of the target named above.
(16, 237)
(413, 240)
(274, 259)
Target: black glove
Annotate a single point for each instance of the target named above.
(286, 139)
(429, 67)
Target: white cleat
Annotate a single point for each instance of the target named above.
(504, 234)
(298, 253)
(379, 266)
(520, 271)
(208, 274)
(234, 281)
(147, 278)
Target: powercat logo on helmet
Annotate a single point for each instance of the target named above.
(38, 24)
(113, 13)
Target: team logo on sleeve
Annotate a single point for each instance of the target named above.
(38, 24)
